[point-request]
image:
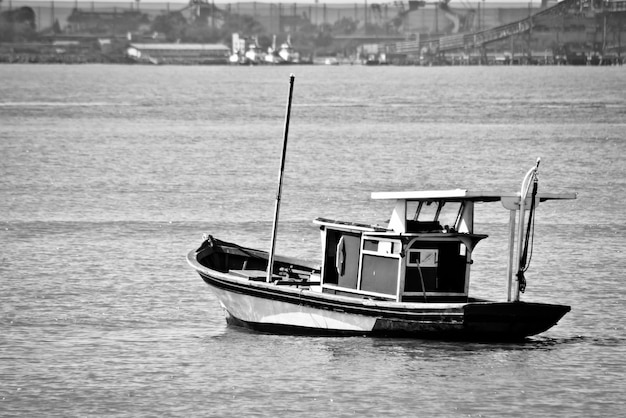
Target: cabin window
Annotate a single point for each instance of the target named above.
(382, 247)
(450, 214)
(423, 258)
(428, 211)
(430, 216)
(370, 245)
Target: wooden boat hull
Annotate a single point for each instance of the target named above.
(296, 310)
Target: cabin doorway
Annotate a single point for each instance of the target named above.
(342, 258)
(436, 267)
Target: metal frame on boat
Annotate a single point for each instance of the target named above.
(409, 278)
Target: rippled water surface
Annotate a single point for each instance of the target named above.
(110, 174)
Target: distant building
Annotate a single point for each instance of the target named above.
(179, 53)
(106, 22)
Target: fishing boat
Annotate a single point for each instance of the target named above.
(408, 278)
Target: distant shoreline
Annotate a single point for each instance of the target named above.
(31, 58)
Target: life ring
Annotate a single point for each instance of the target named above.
(340, 259)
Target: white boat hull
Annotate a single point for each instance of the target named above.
(303, 309)
(255, 310)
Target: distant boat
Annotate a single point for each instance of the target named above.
(287, 53)
(372, 59)
(254, 55)
(246, 51)
(408, 278)
(283, 55)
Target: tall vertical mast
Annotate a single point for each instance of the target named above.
(270, 261)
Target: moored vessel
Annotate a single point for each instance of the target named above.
(408, 278)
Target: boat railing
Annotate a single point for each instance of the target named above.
(357, 226)
(297, 283)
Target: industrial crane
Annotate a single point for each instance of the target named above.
(461, 22)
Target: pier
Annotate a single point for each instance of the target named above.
(462, 48)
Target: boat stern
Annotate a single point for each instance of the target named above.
(510, 320)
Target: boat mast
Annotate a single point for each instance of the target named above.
(270, 261)
(528, 180)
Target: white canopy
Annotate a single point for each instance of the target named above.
(462, 194)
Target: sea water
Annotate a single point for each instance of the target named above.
(110, 174)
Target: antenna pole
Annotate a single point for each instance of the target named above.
(270, 261)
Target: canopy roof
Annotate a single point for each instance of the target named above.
(462, 194)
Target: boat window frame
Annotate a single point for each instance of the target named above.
(396, 243)
(411, 251)
(414, 215)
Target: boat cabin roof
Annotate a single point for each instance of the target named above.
(453, 195)
(452, 209)
(437, 211)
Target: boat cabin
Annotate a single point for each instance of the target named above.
(423, 254)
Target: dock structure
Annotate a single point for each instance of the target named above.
(479, 40)
(178, 53)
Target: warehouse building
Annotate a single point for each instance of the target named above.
(178, 53)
